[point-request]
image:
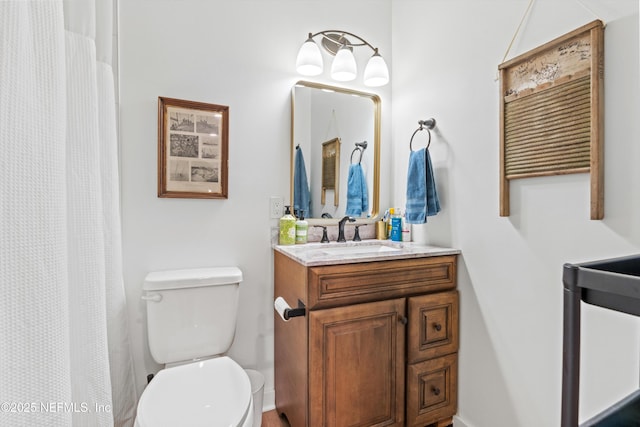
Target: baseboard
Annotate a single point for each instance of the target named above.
(269, 400)
(458, 422)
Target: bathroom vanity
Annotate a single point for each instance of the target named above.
(377, 341)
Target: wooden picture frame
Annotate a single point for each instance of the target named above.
(193, 149)
(551, 113)
(331, 170)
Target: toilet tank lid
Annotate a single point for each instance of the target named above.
(191, 278)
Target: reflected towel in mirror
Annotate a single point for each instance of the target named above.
(422, 196)
(357, 198)
(301, 194)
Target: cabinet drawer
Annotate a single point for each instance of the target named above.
(336, 285)
(433, 326)
(432, 390)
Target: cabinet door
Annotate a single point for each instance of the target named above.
(433, 326)
(356, 365)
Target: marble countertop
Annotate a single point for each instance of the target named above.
(315, 254)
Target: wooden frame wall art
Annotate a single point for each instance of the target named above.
(193, 149)
(331, 170)
(551, 113)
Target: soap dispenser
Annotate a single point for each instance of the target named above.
(287, 228)
(302, 228)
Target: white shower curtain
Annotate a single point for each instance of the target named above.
(64, 352)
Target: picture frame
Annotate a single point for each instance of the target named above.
(331, 169)
(193, 149)
(552, 113)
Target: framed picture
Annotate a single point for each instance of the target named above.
(193, 149)
(552, 113)
(331, 169)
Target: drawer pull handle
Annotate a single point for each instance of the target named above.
(437, 326)
(403, 320)
(436, 391)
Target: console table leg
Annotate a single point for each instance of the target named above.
(571, 347)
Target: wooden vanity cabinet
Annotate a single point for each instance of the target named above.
(377, 346)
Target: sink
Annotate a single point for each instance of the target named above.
(359, 250)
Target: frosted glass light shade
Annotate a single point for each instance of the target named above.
(376, 72)
(344, 66)
(309, 60)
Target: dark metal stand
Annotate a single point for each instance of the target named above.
(612, 284)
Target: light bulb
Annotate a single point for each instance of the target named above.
(376, 72)
(344, 66)
(309, 60)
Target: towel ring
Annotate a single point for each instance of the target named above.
(424, 125)
(354, 150)
(360, 146)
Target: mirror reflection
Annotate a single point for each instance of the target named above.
(335, 148)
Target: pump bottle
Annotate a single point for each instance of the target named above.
(287, 228)
(302, 228)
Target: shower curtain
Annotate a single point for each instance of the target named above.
(64, 351)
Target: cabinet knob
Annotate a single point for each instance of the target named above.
(403, 320)
(436, 391)
(437, 326)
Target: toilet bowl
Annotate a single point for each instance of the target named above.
(191, 319)
(214, 392)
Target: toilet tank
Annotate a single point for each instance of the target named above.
(191, 313)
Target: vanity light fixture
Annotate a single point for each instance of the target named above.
(309, 61)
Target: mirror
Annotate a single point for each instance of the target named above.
(335, 141)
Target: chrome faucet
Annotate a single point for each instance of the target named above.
(341, 227)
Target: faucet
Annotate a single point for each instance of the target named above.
(341, 227)
(325, 238)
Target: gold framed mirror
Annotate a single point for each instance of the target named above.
(321, 114)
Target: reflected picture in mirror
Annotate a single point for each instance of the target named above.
(326, 118)
(330, 171)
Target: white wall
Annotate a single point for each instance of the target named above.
(238, 53)
(445, 58)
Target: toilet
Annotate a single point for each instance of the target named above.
(191, 320)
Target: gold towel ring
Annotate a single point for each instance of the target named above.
(424, 125)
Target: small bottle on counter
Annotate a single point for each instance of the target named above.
(302, 229)
(396, 225)
(406, 230)
(389, 215)
(287, 228)
(381, 230)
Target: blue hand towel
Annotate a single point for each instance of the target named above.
(422, 197)
(301, 194)
(357, 197)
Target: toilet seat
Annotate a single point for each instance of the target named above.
(214, 392)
